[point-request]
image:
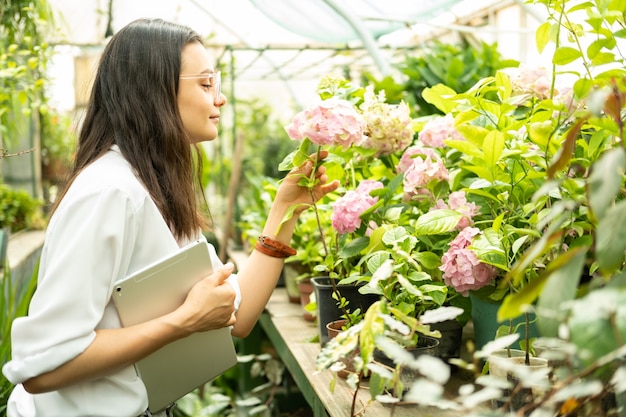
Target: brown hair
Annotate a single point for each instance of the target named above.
(133, 104)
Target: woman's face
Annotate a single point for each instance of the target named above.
(197, 104)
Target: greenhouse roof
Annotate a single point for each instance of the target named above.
(290, 41)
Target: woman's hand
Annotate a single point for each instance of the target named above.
(209, 304)
(290, 193)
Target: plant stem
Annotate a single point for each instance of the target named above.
(356, 391)
(319, 224)
(527, 338)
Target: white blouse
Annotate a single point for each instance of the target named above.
(105, 228)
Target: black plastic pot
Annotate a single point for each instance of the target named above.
(451, 339)
(327, 306)
(426, 345)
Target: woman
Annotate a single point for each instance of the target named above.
(131, 200)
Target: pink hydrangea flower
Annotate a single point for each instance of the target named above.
(462, 270)
(348, 209)
(420, 170)
(534, 80)
(437, 130)
(331, 122)
(457, 200)
(389, 126)
(538, 82)
(365, 187)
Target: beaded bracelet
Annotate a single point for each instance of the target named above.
(273, 248)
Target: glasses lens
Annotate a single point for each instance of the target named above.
(217, 81)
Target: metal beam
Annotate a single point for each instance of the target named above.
(366, 37)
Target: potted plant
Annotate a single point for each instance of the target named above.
(18, 211)
(351, 124)
(58, 143)
(547, 163)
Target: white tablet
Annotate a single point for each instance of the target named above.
(180, 367)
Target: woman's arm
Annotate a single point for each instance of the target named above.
(209, 305)
(258, 277)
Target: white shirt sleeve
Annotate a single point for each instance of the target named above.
(67, 308)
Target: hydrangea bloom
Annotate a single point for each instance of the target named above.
(537, 81)
(420, 170)
(458, 201)
(437, 130)
(462, 270)
(534, 80)
(389, 126)
(331, 122)
(348, 209)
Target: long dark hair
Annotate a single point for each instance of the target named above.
(133, 104)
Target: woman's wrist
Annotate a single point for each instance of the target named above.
(279, 228)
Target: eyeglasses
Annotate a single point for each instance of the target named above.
(216, 83)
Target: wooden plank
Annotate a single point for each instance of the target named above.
(292, 336)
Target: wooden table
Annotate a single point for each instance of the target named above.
(292, 337)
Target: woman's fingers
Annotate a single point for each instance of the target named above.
(210, 303)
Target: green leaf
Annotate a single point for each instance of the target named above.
(534, 252)
(376, 260)
(437, 222)
(302, 154)
(473, 134)
(611, 238)
(441, 97)
(373, 326)
(395, 236)
(428, 260)
(563, 276)
(409, 287)
(582, 87)
(540, 133)
(354, 247)
(296, 157)
(562, 158)
(542, 36)
(376, 239)
(565, 55)
(493, 145)
(464, 147)
(605, 180)
(596, 46)
(515, 304)
(482, 172)
(488, 248)
(603, 58)
(504, 83)
(580, 6)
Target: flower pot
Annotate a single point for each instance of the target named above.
(332, 330)
(485, 322)
(305, 288)
(499, 360)
(327, 308)
(335, 327)
(426, 345)
(290, 273)
(501, 365)
(557, 351)
(451, 339)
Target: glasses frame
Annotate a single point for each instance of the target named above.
(216, 82)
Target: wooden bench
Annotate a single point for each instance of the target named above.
(293, 337)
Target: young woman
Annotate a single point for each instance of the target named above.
(132, 199)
